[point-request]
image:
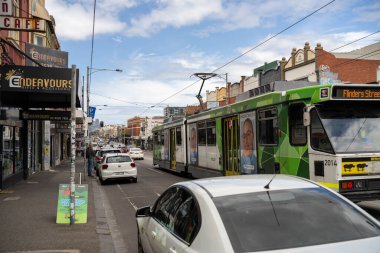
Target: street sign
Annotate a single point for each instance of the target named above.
(81, 203)
(91, 112)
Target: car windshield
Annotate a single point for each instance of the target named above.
(135, 149)
(290, 218)
(353, 130)
(119, 159)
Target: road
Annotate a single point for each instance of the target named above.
(123, 198)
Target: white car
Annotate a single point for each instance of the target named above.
(136, 153)
(117, 166)
(251, 213)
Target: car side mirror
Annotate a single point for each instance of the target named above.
(143, 211)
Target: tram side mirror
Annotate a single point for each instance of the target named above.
(306, 117)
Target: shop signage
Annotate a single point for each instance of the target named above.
(81, 203)
(45, 115)
(35, 79)
(6, 8)
(356, 92)
(22, 24)
(47, 57)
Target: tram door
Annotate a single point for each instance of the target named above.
(231, 146)
(173, 162)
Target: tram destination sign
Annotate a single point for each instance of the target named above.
(45, 115)
(363, 92)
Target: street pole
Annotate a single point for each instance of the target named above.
(72, 137)
(226, 88)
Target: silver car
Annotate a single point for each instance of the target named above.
(251, 213)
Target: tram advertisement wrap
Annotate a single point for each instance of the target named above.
(193, 144)
(248, 153)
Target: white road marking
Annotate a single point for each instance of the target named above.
(126, 197)
(159, 172)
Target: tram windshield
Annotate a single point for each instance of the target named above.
(352, 127)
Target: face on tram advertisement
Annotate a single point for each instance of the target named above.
(248, 152)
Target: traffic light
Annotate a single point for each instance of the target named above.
(101, 124)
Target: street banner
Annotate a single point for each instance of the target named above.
(81, 204)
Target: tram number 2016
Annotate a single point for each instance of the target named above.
(330, 163)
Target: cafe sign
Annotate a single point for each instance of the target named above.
(35, 79)
(45, 115)
(22, 24)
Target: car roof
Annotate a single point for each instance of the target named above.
(115, 154)
(232, 185)
(109, 149)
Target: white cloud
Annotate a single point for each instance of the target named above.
(74, 20)
(173, 13)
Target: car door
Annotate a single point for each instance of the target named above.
(161, 235)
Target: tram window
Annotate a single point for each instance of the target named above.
(319, 138)
(297, 131)
(201, 133)
(155, 138)
(178, 136)
(268, 127)
(211, 133)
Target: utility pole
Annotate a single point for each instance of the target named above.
(227, 95)
(72, 138)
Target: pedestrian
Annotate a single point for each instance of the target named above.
(90, 154)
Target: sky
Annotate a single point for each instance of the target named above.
(160, 44)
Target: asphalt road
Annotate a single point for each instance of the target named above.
(125, 197)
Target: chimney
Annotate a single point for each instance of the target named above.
(306, 49)
(242, 80)
(294, 51)
(282, 66)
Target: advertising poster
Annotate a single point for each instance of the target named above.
(248, 151)
(81, 203)
(166, 145)
(193, 144)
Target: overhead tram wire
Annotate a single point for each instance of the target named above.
(260, 44)
(93, 37)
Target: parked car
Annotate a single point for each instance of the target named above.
(117, 166)
(136, 153)
(99, 156)
(250, 213)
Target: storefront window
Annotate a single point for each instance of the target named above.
(18, 151)
(8, 168)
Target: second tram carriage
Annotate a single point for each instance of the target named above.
(326, 133)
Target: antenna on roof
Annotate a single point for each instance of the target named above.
(267, 186)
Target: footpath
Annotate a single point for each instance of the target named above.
(28, 213)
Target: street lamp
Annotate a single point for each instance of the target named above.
(90, 71)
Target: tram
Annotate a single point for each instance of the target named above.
(327, 133)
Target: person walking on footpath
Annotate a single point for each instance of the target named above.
(90, 154)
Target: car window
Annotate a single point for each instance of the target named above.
(135, 149)
(119, 159)
(186, 220)
(290, 218)
(167, 206)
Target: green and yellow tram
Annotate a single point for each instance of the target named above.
(326, 133)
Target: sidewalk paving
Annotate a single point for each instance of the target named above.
(28, 215)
